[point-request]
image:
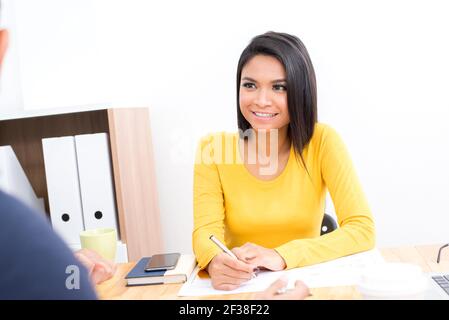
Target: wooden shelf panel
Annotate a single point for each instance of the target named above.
(137, 198)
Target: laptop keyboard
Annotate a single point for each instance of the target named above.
(443, 282)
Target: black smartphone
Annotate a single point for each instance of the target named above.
(166, 261)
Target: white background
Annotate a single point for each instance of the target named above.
(382, 73)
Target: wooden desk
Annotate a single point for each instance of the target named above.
(424, 256)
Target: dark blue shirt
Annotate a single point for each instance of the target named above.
(34, 261)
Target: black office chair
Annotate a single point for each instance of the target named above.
(328, 225)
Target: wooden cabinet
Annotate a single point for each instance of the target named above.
(132, 163)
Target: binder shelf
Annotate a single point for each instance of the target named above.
(134, 181)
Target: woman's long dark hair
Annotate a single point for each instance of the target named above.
(301, 84)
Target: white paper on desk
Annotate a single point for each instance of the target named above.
(343, 271)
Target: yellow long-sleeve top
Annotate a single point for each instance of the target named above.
(284, 213)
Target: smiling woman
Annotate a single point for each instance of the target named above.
(284, 59)
(271, 218)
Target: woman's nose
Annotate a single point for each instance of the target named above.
(263, 98)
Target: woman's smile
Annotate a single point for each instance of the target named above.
(264, 115)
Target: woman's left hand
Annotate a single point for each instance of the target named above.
(260, 256)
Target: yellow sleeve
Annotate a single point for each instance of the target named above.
(208, 204)
(356, 232)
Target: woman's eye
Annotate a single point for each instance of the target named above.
(249, 85)
(279, 87)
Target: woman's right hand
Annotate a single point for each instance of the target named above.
(228, 273)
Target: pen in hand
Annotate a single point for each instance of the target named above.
(226, 250)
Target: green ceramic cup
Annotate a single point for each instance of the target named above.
(101, 240)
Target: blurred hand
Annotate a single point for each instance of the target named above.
(227, 273)
(260, 256)
(300, 292)
(99, 269)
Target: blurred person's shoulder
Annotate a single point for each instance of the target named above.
(26, 235)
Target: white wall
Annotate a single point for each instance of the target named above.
(382, 72)
(59, 54)
(10, 87)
